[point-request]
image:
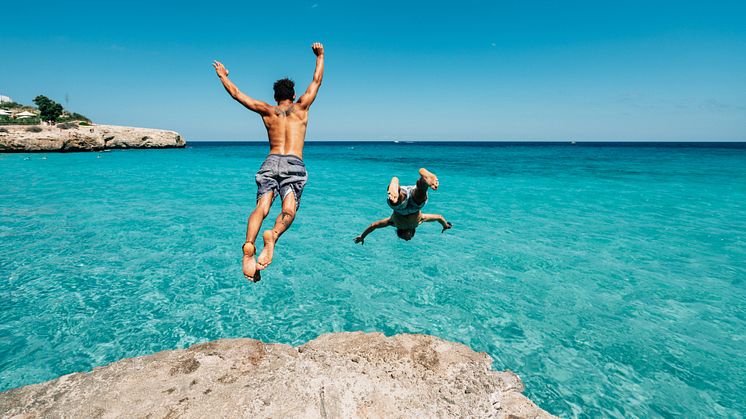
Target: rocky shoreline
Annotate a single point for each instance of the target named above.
(337, 375)
(35, 138)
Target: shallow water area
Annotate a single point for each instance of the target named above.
(610, 278)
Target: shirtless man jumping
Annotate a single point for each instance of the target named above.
(283, 172)
(406, 202)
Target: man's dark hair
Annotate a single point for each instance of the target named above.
(284, 89)
(405, 233)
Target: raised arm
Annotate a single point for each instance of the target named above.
(307, 98)
(257, 106)
(374, 226)
(439, 218)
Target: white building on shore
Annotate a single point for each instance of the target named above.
(24, 115)
(5, 99)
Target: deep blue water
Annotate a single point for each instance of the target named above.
(611, 278)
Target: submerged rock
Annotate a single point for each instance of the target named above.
(24, 139)
(338, 375)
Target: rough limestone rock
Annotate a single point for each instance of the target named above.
(17, 138)
(338, 375)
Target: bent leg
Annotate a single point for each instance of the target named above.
(282, 223)
(252, 230)
(427, 180)
(395, 194)
(258, 215)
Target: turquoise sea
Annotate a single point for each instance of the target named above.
(611, 278)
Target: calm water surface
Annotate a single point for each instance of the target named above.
(611, 279)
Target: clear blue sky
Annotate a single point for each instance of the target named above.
(499, 70)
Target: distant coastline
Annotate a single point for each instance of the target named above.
(74, 137)
(49, 127)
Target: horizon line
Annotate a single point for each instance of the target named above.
(481, 141)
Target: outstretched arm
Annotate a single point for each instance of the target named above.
(439, 218)
(257, 106)
(307, 98)
(374, 226)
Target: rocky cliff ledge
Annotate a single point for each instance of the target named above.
(338, 375)
(24, 139)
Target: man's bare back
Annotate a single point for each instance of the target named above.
(283, 172)
(286, 128)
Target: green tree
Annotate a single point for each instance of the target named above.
(49, 109)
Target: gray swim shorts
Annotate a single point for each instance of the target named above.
(281, 174)
(407, 206)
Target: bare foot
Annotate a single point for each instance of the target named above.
(265, 258)
(249, 263)
(393, 190)
(430, 178)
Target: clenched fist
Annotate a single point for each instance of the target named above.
(317, 48)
